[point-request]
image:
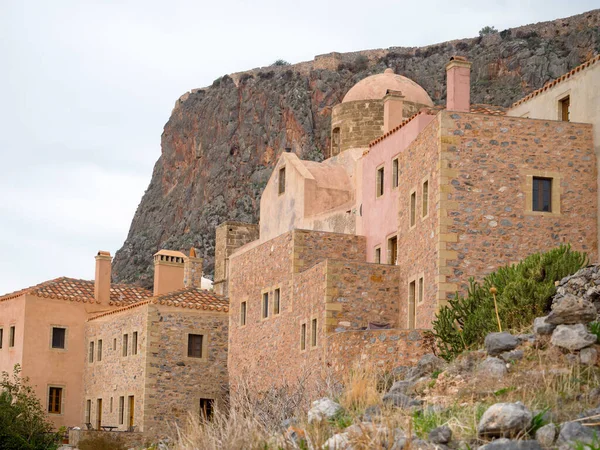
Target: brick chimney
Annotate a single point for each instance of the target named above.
(393, 106)
(192, 270)
(458, 84)
(168, 271)
(102, 278)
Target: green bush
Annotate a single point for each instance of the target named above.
(23, 422)
(524, 292)
(281, 62)
(487, 30)
(102, 442)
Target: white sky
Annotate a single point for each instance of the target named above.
(86, 87)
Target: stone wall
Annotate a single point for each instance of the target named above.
(490, 161)
(131, 440)
(314, 246)
(360, 122)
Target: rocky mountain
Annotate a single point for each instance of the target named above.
(220, 143)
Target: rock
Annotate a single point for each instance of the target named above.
(572, 432)
(371, 413)
(588, 356)
(440, 435)
(523, 338)
(507, 444)
(420, 444)
(496, 343)
(402, 387)
(594, 394)
(572, 337)
(323, 408)
(541, 326)
(514, 355)
(428, 364)
(338, 441)
(400, 400)
(504, 420)
(400, 440)
(546, 435)
(493, 367)
(570, 310)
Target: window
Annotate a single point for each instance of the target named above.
(335, 141)
(58, 337)
(111, 404)
(542, 194)
(55, 400)
(395, 173)
(425, 198)
(125, 344)
(378, 255)
(1, 336)
(564, 105)
(134, 343)
(98, 414)
(121, 409)
(131, 408)
(413, 207)
(91, 354)
(99, 358)
(379, 182)
(281, 180)
(11, 337)
(195, 345)
(114, 344)
(303, 337)
(243, 314)
(393, 250)
(411, 305)
(206, 408)
(421, 288)
(313, 336)
(265, 305)
(88, 411)
(276, 301)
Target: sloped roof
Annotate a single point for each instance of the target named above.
(560, 79)
(75, 290)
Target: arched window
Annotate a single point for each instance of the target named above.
(335, 141)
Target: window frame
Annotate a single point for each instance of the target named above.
(420, 290)
(1, 337)
(12, 333)
(99, 350)
(205, 341)
(424, 198)
(121, 409)
(303, 334)
(390, 250)
(377, 255)
(380, 181)
(276, 301)
(562, 100)
(541, 183)
(125, 345)
(314, 333)
(243, 313)
(412, 209)
(395, 172)
(191, 346)
(91, 350)
(134, 343)
(412, 304)
(264, 305)
(555, 196)
(60, 327)
(281, 181)
(61, 405)
(210, 401)
(88, 411)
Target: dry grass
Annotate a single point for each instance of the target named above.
(360, 389)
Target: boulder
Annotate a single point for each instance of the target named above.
(400, 400)
(570, 310)
(588, 356)
(493, 367)
(504, 420)
(541, 326)
(507, 444)
(402, 387)
(572, 337)
(497, 343)
(323, 408)
(440, 435)
(573, 432)
(428, 364)
(546, 435)
(513, 355)
(371, 413)
(338, 441)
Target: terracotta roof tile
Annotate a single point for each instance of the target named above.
(82, 291)
(560, 79)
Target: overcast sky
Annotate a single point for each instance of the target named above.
(87, 86)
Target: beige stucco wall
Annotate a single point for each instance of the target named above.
(12, 313)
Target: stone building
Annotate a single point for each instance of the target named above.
(413, 201)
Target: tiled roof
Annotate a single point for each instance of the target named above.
(81, 291)
(192, 298)
(490, 110)
(553, 83)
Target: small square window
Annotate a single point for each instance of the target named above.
(265, 305)
(55, 400)
(276, 301)
(282, 180)
(206, 408)
(58, 337)
(195, 345)
(243, 314)
(542, 194)
(395, 176)
(380, 181)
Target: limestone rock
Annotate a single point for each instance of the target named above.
(546, 435)
(572, 337)
(496, 343)
(572, 432)
(403, 386)
(323, 408)
(504, 420)
(440, 435)
(338, 441)
(400, 400)
(570, 310)
(541, 326)
(507, 444)
(588, 356)
(428, 364)
(513, 355)
(493, 367)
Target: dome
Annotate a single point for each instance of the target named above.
(375, 87)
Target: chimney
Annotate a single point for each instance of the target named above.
(458, 84)
(393, 105)
(168, 271)
(102, 278)
(192, 270)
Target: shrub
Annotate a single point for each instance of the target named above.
(281, 62)
(23, 422)
(487, 30)
(361, 62)
(524, 292)
(99, 441)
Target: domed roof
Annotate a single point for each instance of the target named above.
(375, 87)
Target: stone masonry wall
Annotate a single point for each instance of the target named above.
(380, 349)
(359, 293)
(116, 375)
(175, 382)
(360, 122)
(314, 246)
(490, 161)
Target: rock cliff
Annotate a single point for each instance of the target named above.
(220, 143)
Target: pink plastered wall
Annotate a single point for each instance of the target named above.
(380, 214)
